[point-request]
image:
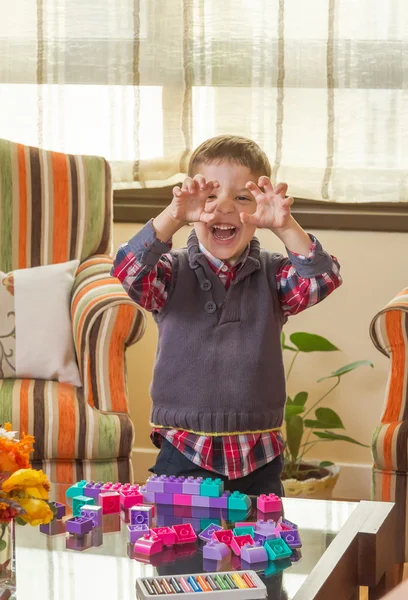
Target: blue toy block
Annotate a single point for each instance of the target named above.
(238, 501)
(245, 531)
(192, 486)
(78, 502)
(212, 488)
(174, 485)
(274, 568)
(277, 549)
(200, 501)
(76, 489)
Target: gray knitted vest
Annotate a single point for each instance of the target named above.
(219, 363)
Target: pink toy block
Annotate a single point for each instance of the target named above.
(110, 502)
(148, 544)
(270, 503)
(166, 534)
(117, 487)
(225, 536)
(129, 499)
(184, 533)
(182, 499)
(183, 511)
(107, 486)
(245, 524)
(239, 541)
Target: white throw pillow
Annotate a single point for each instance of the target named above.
(44, 345)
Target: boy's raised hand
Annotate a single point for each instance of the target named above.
(188, 204)
(273, 208)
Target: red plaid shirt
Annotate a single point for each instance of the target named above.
(234, 455)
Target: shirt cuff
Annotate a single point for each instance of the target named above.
(146, 245)
(316, 263)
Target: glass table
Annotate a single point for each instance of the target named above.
(328, 532)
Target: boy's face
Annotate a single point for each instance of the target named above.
(227, 237)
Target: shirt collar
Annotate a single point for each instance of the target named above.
(219, 264)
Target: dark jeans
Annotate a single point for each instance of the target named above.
(265, 480)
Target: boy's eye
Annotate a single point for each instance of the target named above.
(243, 199)
(212, 197)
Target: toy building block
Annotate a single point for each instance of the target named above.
(184, 533)
(269, 503)
(166, 534)
(244, 531)
(147, 496)
(253, 554)
(292, 538)
(174, 485)
(76, 489)
(141, 515)
(162, 498)
(214, 550)
(285, 525)
(192, 485)
(180, 510)
(96, 537)
(148, 544)
(106, 487)
(130, 498)
(240, 540)
(136, 531)
(79, 525)
(182, 499)
(225, 536)
(78, 502)
(94, 513)
(110, 502)
(245, 524)
(155, 483)
(60, 510)
(93, 489)
(200, 501)
(277, 549)
(117, 487)
(267, 528)
(238, 501)
(212, 487)
(111, 523)
(260, 538)
(296, 556)
(207, 534)
(79, 543)
(55, 527)
(221, 501)
(276, 567)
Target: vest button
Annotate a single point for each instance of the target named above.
(206, 285)
(210, 307)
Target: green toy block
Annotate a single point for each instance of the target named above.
(276, 567)
(277, 549)
(204, 523)
(78, 502)
(238, 501)
(76, 489)
(245, 531)
(213, 488)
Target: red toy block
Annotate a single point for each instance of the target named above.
(270, 503)
(182, 500)
(240, 540)
(110, 502)
(225, 536)
(184, 533)
(129, 499)
(183, 511)
(166, 534)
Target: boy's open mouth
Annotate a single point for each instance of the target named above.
(224, 232)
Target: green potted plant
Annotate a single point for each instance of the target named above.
(310, 423)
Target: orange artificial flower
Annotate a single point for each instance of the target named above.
(15, 455)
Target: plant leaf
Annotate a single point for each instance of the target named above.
(291, 410)
(310, 342)
(326, 463)
(21, 521)
(335, 437)
(289, 400)
(294, 433)
(300, 398)
(347, 368)
(329, 416)
(3, 545)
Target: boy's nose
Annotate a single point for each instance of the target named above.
(225, 205)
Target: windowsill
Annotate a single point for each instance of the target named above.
(138, 206)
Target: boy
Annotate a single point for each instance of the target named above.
(218, 387)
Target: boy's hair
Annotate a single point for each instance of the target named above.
(233, 148)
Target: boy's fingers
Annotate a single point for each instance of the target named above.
(177, 191)
(187, 185)
(207, 217)
(265, 182)
(214, 183)
(202, 184)
(281, 189)
(254, 189)
(249, 219)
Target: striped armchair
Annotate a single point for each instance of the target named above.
(54, 208)
(389, 333)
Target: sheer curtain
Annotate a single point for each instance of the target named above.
(320, 84)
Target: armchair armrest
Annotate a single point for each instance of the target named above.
(105, 322)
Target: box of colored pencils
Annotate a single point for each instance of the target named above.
(240, 585)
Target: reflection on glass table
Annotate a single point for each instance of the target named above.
(65, 567)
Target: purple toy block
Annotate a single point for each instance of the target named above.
(207, 533)
(184, 533)
(79, 543)
(214, 550)
(253, 554)
(195, 523)
(164, 498)
(267, 528)
(201, 501)
(221, 502)
(269, 503)
(136, 531)
(60, 514)
(258, 537)
(182, 499)
(192, 485)
(147, 496)
(92, 490)
(55, 527)
(78, 525)
(96, 537)
(286, 525)
(94, 513)
(291, 537)
(155, 483)
(141, 515)
(174, 485)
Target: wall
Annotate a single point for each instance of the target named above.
(374, 268)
